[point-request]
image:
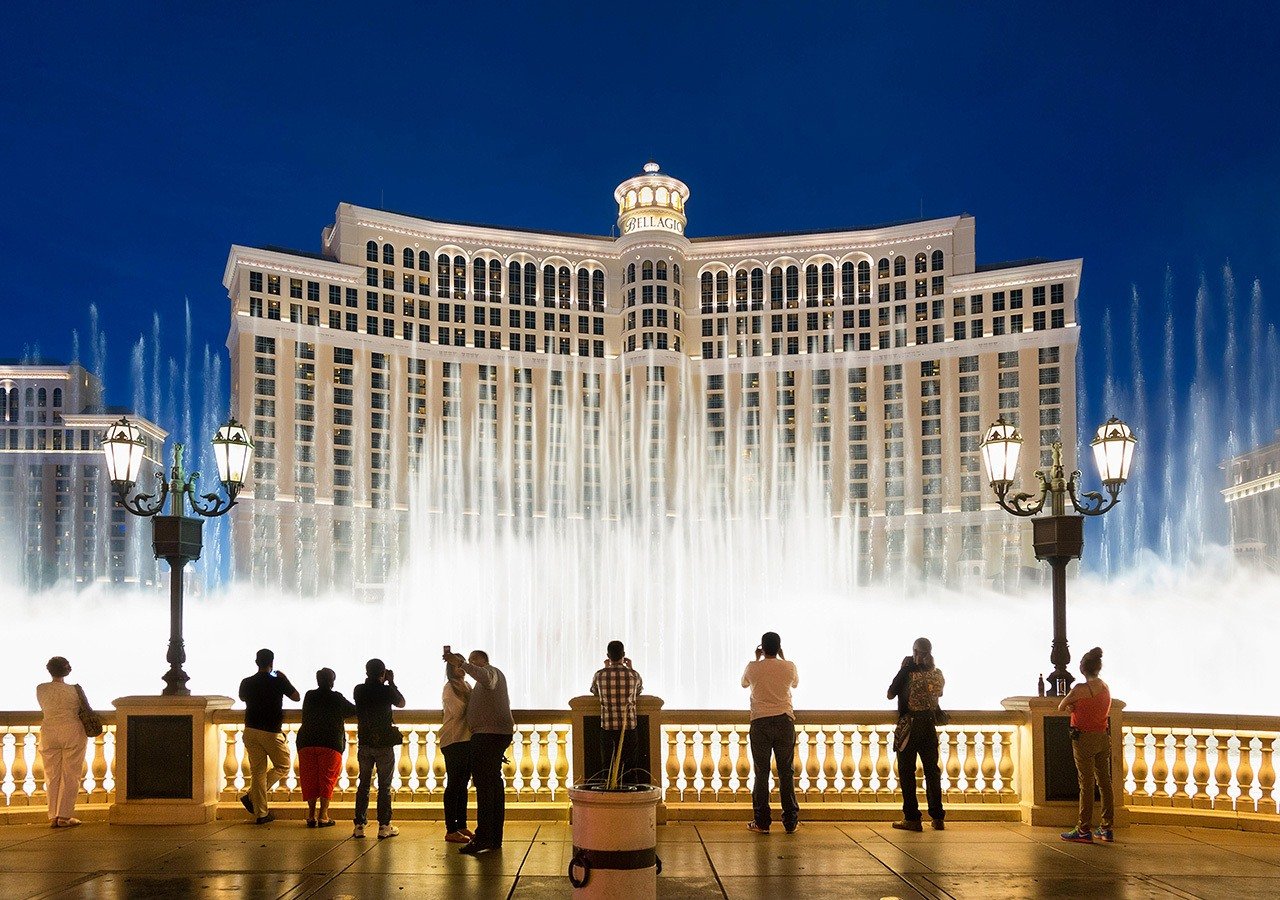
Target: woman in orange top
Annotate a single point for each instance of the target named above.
(1089, 703)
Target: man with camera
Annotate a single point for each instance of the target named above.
(263, 694)
(378, 739)
(771, 678)
(491, 724)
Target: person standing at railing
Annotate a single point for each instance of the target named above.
(321, 740)
(455, 744)
(771, 678)
(377, 737)
(917, 687)
(617, 686)
(62, 742)
(263, 694)
(492, 727)
(1089, 703)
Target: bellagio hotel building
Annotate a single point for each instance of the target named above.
(415, 367)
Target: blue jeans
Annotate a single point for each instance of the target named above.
(774, 736)
(384, 758)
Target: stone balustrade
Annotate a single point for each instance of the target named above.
(1191, 768)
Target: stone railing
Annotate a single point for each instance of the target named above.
(1188, 767)
(1200, 767)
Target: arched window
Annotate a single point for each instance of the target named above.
(13, 405)
(722, 290)
(899, 266)
(514, 294)
(459, 278)
(424, 261)
(848, 283)
(706, 292)
(479, 282)
(584, 285)
(41, 398)
(29, 398)
(937, 260)
(442, 275)
(864, 280)
(565, 284)
(57, 397)
(495, 281)
(811, 284)
(548, 285)
(631, 273)
(660, 270)
(530, 284)
(675, 272)
(371, 251)
(740, 288)
(775, 285)
(408, 257)
(597, 290)
(828, 283)
(922, 263)
(793, 284)
(882, 268)
(757, 285)
(389, 254)
(646, 270)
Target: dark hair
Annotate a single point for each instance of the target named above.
(1091, 662)
(615, 650)
(770, 643)
(264, 657)
(924, 647)
(325, 678)
(58, 667)
(482, 655)
(374, 668)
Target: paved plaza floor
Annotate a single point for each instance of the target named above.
(700, 859)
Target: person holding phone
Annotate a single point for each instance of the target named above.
(378, 737)
(455, 743)
(263, 694)
(771, 678)
(489, 718)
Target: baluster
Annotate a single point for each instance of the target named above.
(706, 767)
(38, 795)
(1221, 773)
(544, 763)
(866, 790)
(230, 765)
(689, 767)
(1160, 770)
(1007, 791)
(743, 789)
(829, 786)
(404, 763)
(294, 784)
(1200, 772)
(1267, 777)
(98, 769)
(970, 742)
(246, 773)
(886, 759)
(847, 768)
(672, 793)
(954, 741)
(1181, 773)
(988, 767)
(421, 765)
(1244, 774)
(1141, 796)
(5, 789)
(525, 767)
(562, 762)
(351, 768)
(723, 768)
(21, 793)
(812, 765)
(439, 771)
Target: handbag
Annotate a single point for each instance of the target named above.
(89, 720)
(902, 734)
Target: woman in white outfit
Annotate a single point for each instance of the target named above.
(62, 742)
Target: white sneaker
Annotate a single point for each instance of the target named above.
(387, 831)
(358, 832)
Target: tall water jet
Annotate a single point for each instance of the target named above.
(1138, 420)
(1169, 394)
(1231, 365)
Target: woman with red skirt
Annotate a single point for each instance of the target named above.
(321, 740)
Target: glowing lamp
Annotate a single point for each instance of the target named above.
(1113, 451)
(1000, 449)
(122, 444)
(232, 450)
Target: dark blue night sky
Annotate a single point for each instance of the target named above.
(139, 145)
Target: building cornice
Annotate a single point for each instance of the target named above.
(995, 279)
(1256, 486)
(288, 264)
(833, 242)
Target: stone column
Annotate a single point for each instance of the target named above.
(167, 764)
(1047, 782)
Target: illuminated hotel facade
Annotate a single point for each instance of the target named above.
(415, 366)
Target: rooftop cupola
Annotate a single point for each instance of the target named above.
(651, 201)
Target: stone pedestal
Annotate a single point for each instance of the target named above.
(584, 713)
(1048, 786)
(167, 765)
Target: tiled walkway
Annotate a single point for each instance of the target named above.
(286, 860)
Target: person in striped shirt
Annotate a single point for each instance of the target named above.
(617, 686)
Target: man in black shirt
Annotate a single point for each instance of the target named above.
(378, 738)
(263, 695)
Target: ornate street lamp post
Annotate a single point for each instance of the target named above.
(1058, 537)
(176, 537)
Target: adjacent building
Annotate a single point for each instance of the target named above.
(58, 521)
(420, 367)
(1253, 499)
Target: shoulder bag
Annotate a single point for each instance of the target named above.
(89, 719)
